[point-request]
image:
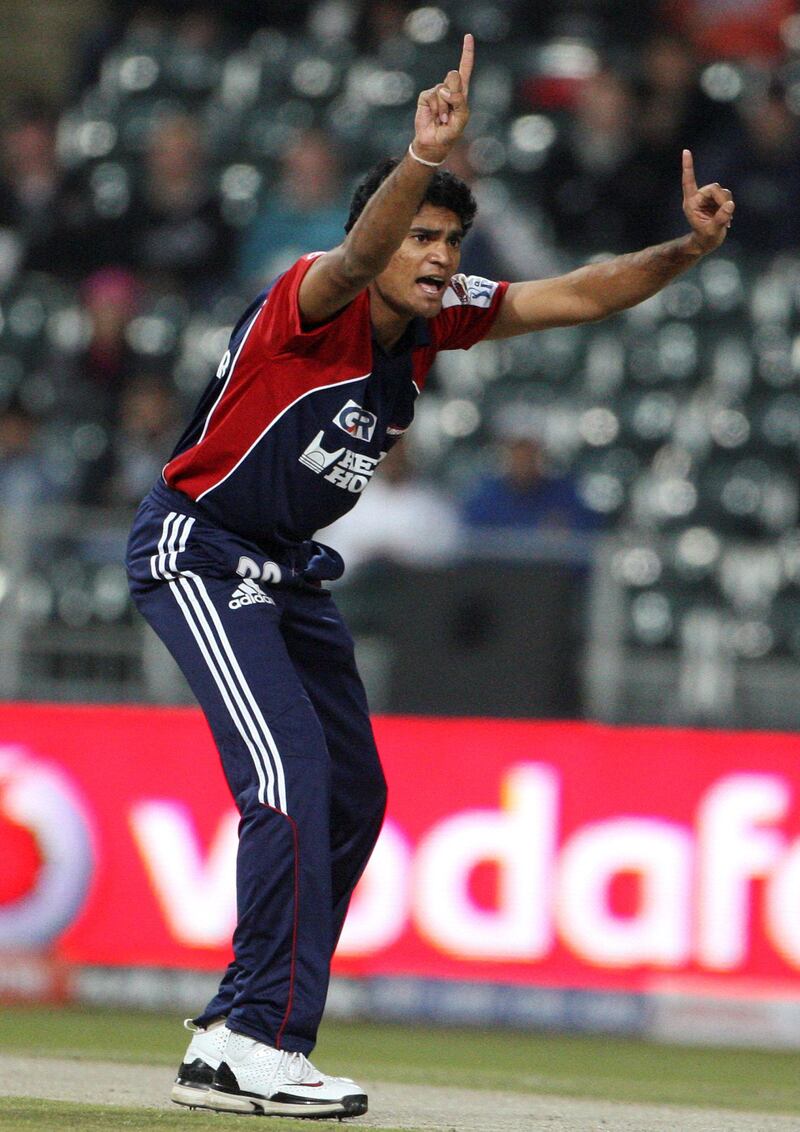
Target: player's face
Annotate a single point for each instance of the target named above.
(416, 278)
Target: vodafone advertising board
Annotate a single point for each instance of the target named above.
(571, 855)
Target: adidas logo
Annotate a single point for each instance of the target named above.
(248, 593)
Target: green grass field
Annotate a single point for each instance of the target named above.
(591, 1067)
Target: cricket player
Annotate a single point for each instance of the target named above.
(318, 382)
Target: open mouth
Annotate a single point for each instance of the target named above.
(432, 285)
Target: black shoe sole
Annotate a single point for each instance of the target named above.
(282, 1105)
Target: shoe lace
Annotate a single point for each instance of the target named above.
(190, 1025)
(298, 1068)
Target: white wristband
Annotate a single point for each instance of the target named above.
(422, 161)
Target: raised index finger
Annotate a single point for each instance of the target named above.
(689, 180)
(467, 61)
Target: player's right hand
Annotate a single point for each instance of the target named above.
(442, 111)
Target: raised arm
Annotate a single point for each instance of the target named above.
(601, 289)
(336, 278)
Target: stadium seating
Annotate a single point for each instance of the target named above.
(679, 420)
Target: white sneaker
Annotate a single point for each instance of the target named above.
(255, 1078)
(200, 1062)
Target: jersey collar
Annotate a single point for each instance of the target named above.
(417, 333)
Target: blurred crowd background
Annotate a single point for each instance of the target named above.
(631, 485)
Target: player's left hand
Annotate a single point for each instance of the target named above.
(709, 210)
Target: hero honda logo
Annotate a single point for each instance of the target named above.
(349, 470)
(356, 421)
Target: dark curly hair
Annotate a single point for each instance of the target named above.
(444, 190)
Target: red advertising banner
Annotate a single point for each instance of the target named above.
(572, 855)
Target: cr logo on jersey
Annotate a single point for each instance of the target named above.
(356, 421)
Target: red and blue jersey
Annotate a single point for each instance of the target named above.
(291, 429)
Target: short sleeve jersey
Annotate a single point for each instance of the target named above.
(291, 429)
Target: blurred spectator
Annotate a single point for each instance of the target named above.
(25, 479)
(201, 26)
(525, 495)
(762, 165)
(402, 518)
(673, 109)
(675, 113)
(47, 214)
(180, 239)
(145, 20)
(111, 298)
(597, 184)
(306, 212)
(30, 181)
(742, 29)
(156, 19)
(380, 28)
(505, 241)
(147, 428)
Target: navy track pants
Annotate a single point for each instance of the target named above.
(274, 672)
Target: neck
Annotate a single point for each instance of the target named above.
(388, 321)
